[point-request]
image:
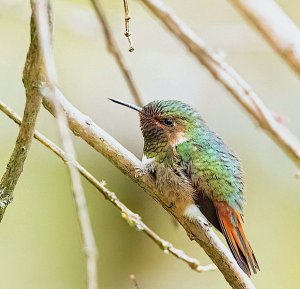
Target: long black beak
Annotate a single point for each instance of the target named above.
(132, 106)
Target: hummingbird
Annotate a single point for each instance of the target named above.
(195, 172)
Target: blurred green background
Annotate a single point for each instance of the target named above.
(40, 243)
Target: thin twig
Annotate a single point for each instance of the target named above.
(275, 26)
(113, 48)
(125, 161)
(231, 80)
(134, 281)
(42, 10)
(132, 218)
(31, 77)
(127, 31)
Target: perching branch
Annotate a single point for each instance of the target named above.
(125, 161)
(275, 26)
(113, 48)
(132, 218)
(43, 15)
(127, 19)
(231, 80)
(32, 76)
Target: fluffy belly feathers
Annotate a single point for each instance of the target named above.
(175, 187)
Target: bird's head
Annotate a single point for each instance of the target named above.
(165, 124)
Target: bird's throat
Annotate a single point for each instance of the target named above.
(164, 148)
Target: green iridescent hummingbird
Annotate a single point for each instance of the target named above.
(195, 171)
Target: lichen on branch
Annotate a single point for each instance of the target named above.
(32, 76)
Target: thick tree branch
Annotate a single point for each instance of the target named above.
(32, 76)
(231, 80)
(275, 26)
(201, 231)
(43, 15)
(132, 218)
(113, 48)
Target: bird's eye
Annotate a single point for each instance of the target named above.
(168, 122)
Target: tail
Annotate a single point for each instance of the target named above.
(231, 224)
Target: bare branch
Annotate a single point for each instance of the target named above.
(275, 26)
(127, 19)
(113, 48)
(32, 75)
(132, 218)
(43, 14)
(231, 80)
(200, 231)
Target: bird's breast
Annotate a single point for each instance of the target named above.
(175, 187)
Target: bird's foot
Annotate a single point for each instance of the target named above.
(171, 205)
(140, 172)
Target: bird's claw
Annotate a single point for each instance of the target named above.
(171, 205)
(139, 172)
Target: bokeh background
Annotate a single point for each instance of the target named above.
(40, 243)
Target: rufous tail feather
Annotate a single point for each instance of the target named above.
(231, 224)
